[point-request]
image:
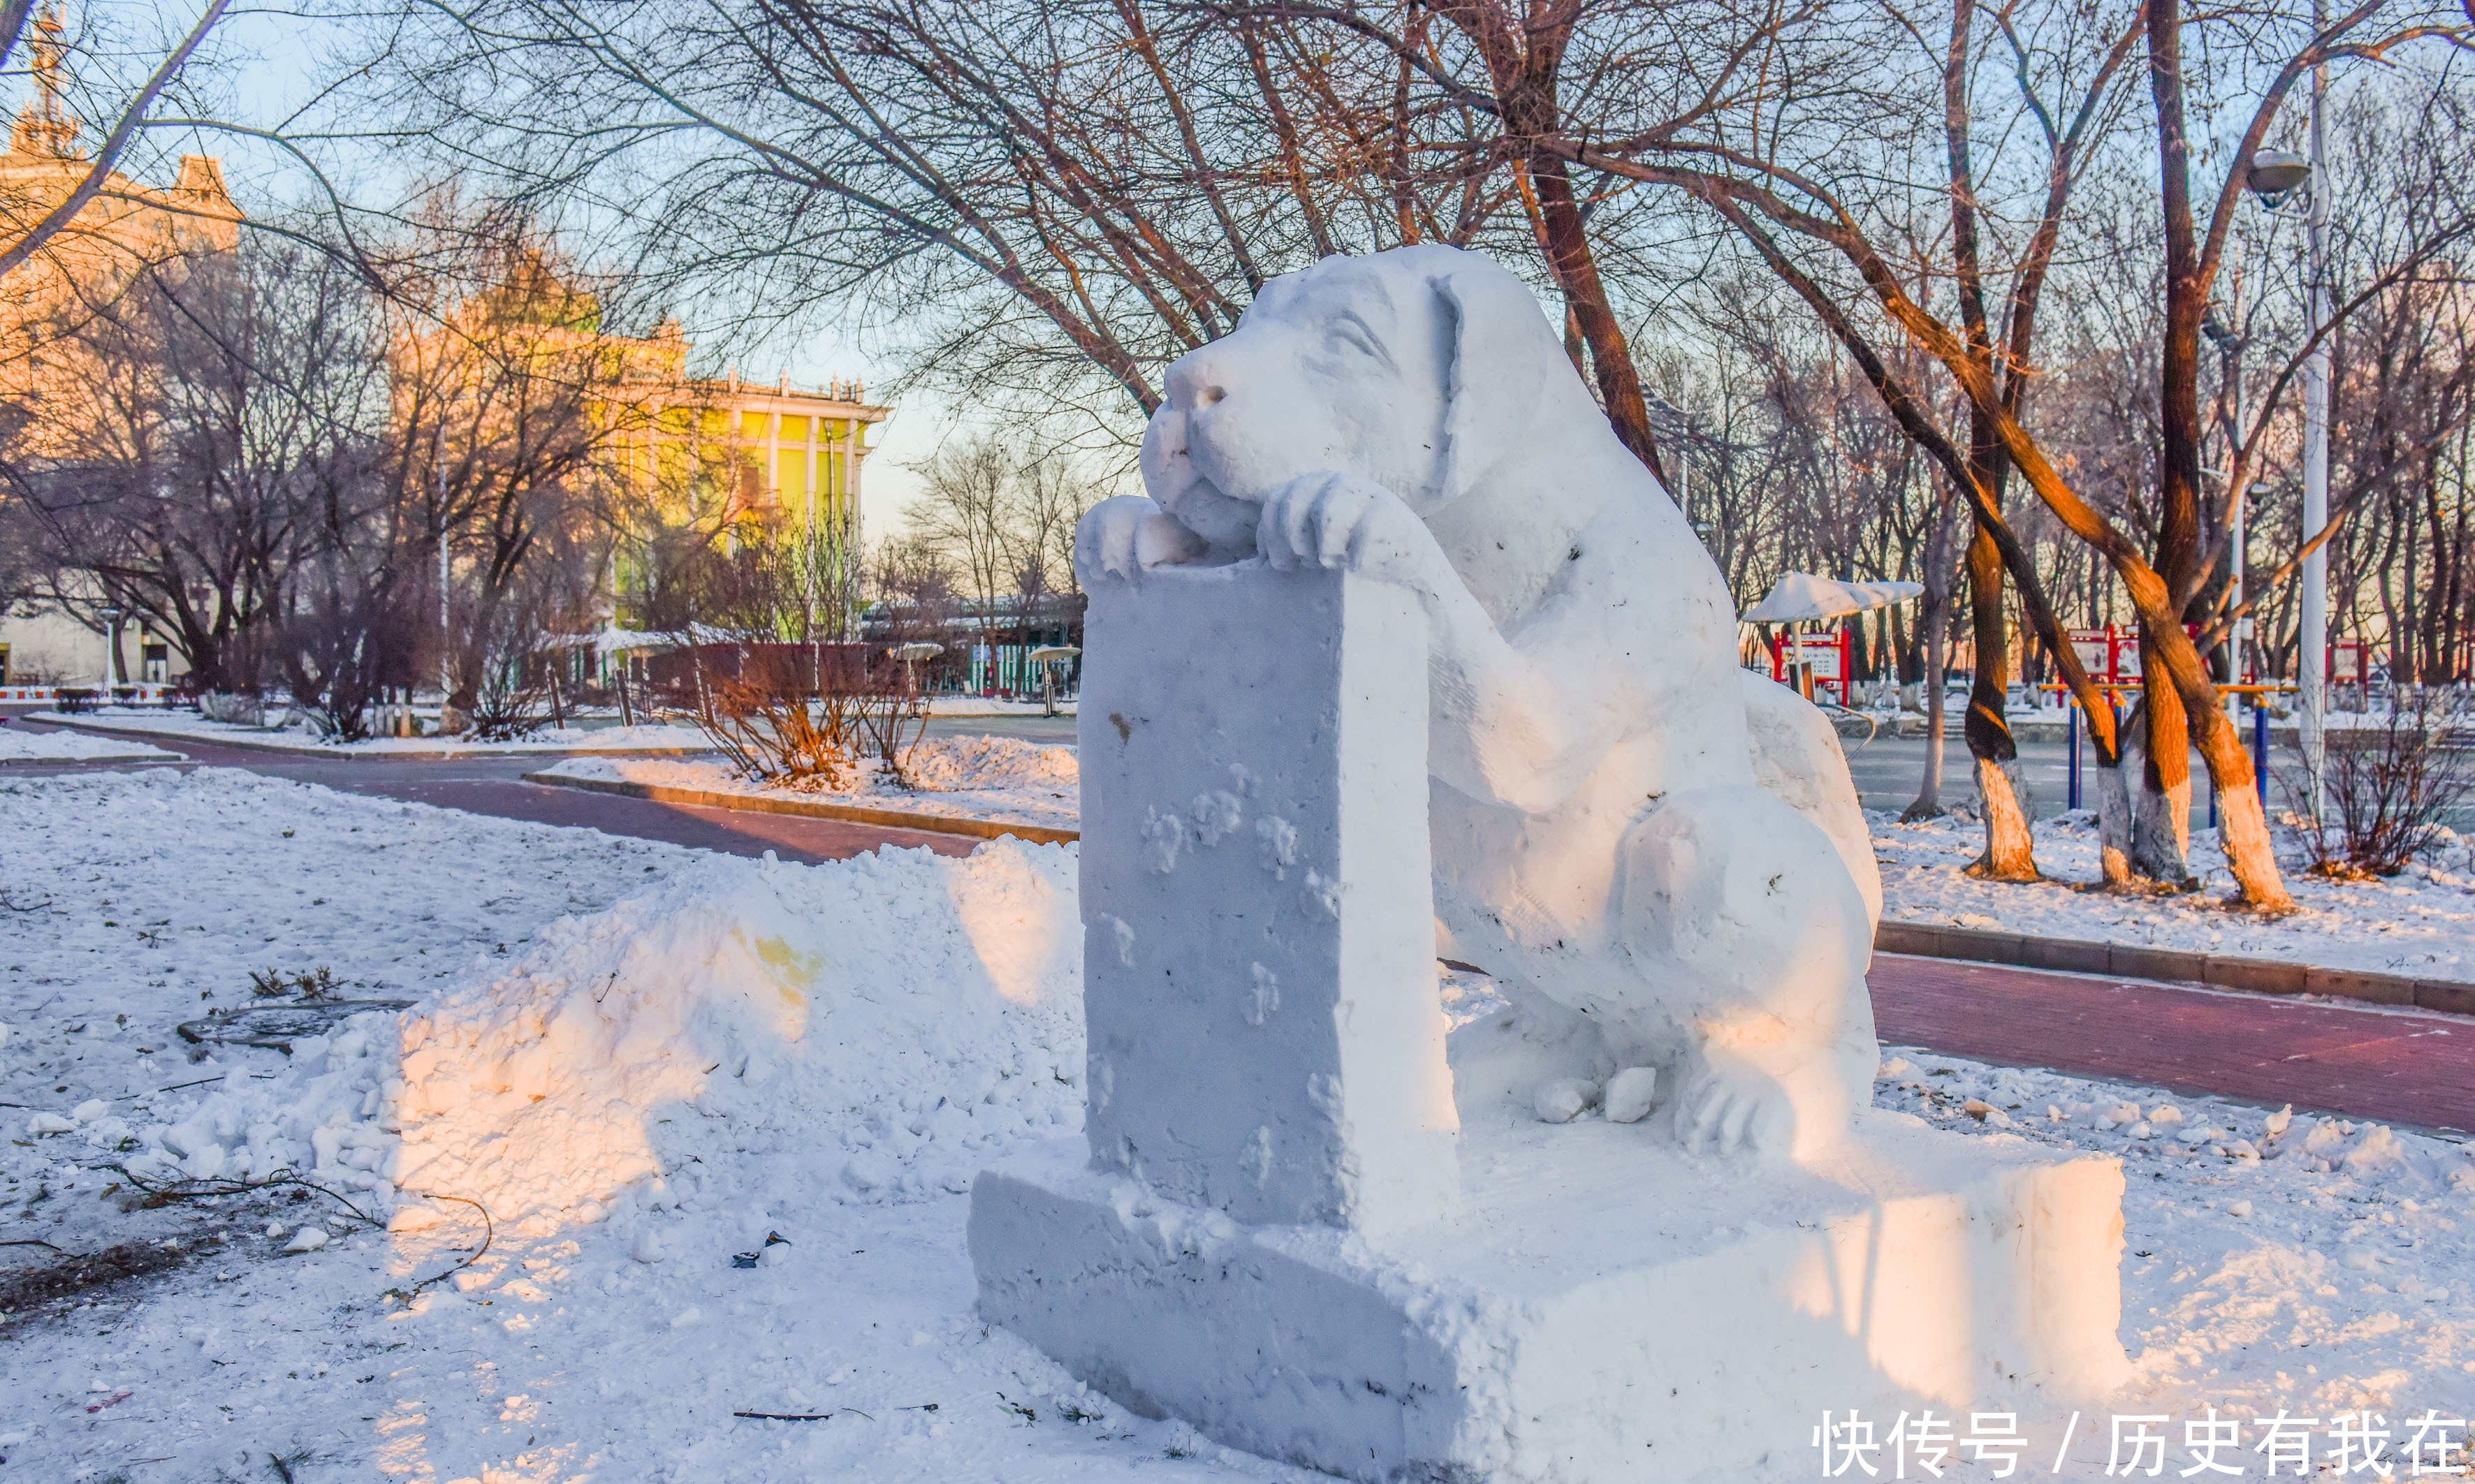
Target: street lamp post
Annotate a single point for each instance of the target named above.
(2312, 663)
(2273, 176)
(2232, 342)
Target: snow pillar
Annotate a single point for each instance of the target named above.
(1258, 955)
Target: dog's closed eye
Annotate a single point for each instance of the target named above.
(1352, 331)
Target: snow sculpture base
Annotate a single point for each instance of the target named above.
(1601, 1307)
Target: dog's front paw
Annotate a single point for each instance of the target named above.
(1347, 522)
(1119, 538)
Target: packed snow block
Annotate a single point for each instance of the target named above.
(1258, 953)
(1600, 1307)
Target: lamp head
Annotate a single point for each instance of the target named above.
(2275, 175)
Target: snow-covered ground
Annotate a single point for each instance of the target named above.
(17, 744)
(974, 777)
(2272, 1259)
(2420, 923)
(643, 1061)
(657, 739)
(991, 706)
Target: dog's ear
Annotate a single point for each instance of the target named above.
(1503, 357)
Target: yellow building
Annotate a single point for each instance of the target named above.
(126, 227)
(802, 451)
(734, 456)
(792, 457)
(719, 457)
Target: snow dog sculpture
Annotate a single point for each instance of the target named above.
(1602, 841)
(1406, 656)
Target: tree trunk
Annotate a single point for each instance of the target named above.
(2251, 855)
(2113, 819)
(2009, 849)
(2244, 822)
(1934, 626)
(1928, 800)
(2168, 659)
(2162, 834)
(1585, 297)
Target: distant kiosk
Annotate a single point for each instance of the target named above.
(1817, 663)
(1048, 657)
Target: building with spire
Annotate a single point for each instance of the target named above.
(126, 227)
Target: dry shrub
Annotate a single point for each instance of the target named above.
(893, 714)
(783, 717)
(507, 706)
(2392, 790)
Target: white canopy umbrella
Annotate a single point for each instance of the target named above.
(1801, 598)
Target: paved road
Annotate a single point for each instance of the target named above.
(2401, 1066)
(1049, 731)
(2405, 1067)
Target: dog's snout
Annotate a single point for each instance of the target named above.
(1194, 381)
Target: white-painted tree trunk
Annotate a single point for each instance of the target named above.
(2010, 850)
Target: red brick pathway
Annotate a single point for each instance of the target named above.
(2400, 1066)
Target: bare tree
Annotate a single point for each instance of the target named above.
(171, 471)
(1813, 206)
(964, 511)
(511, 406)
(1044, 202)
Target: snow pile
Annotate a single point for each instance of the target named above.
(900, 1009)
(661, 735)
(2077, 1114)
(2420, 923)
(2273, 1259)
(972, 777)
(322, 1115)
(972, 763)
(19, 745)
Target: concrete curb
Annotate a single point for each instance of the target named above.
(813, 809)
(339, 754)
(165, 756)
(2222, 971)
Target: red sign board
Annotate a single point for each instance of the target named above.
(1822, 665)
(2113, 652)
(2096, 649)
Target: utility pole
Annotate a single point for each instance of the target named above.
(1685, 439)
(2232, 342)
(2312, 661)
(446, 576)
